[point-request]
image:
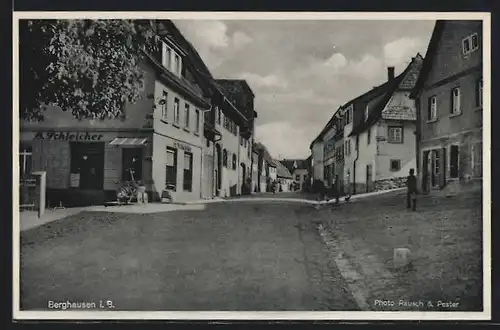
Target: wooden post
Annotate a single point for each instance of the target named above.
(41, 186)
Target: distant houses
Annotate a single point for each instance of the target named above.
(285, 179)
(449, 98)
(299, 169)
(369, 143)
(429, 118)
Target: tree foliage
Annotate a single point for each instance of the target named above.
(89, 67)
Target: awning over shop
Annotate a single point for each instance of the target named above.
(129, 142)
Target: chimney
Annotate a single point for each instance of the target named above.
(390, 73)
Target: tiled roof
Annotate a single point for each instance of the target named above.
(289, 164)
(429, 56)
(267, 156)
(404, 81)
(234, 90)
(399, 113)
(283, 172)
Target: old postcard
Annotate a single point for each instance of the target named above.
(270, 166)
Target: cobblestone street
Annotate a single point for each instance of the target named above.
(231, 256)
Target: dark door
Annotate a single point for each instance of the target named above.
(368, 178)
(425, 171)
(88, 160)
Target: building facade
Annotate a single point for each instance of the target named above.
(449, 95)
(158, 140)
(299, 169)
(386, 133)
(285, 180)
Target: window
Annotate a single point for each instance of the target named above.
(167, 56)
(369, 135)
(25, 160)
(234, 161)
(219, 115)
(187, 183)
(432, 108)
(171, 167)
(197, 120)
(132, 161)
(477, 159)
(208, 143)
(186, 115)
(470, 44)
(297, 177)
(348, 116)
(479, 92)
(454, 161)
(395, 165)
(455, 101)
(177, 65)
(367, 112)
(224, 158)
(176, 111)
(466, 45)
(395, 134)
(164, 106)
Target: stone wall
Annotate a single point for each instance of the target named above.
(390, 183)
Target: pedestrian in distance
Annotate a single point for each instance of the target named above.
(411, 185)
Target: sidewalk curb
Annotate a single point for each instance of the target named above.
(284, 199)
(353, 279)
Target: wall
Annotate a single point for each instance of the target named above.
(302, 173)
(255, 171)
(367, 154)
(169, 132)
(245, 157)
(317, 160)
(230, 177)
(446, 124)
(135, 113)
(273, 173)
(449, 59)
(405, 152)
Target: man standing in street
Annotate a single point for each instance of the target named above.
(411, 184)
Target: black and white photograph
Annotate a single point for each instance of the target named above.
(278, 166)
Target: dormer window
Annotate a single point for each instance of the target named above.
(171, 60)
(470, 44)
(367, 112)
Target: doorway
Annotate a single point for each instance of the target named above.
(218, 169)
(87, 161)
(369, 178)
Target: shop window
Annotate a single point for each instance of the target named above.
(395, 134)
(234, 161)
(187, 184)
(87, 164)
(395, 165)
(454, 161)
(131, 162)
(25, 160)
(224, 158)
(171, 167)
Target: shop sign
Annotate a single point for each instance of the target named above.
(182, 146)
(68, 136)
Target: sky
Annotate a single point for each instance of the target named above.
(301, 71)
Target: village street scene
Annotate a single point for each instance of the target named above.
(212, 165)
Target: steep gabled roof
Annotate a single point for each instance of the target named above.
(283, 172)
(259, 147)
(293, 164)
(232, 89)
(429, 57)
(404, 81)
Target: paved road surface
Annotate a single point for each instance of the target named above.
(238, 256)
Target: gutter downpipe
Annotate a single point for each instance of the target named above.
(354, 167)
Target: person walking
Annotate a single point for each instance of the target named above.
(411, 185)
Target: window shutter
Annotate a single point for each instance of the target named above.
(443, 165)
